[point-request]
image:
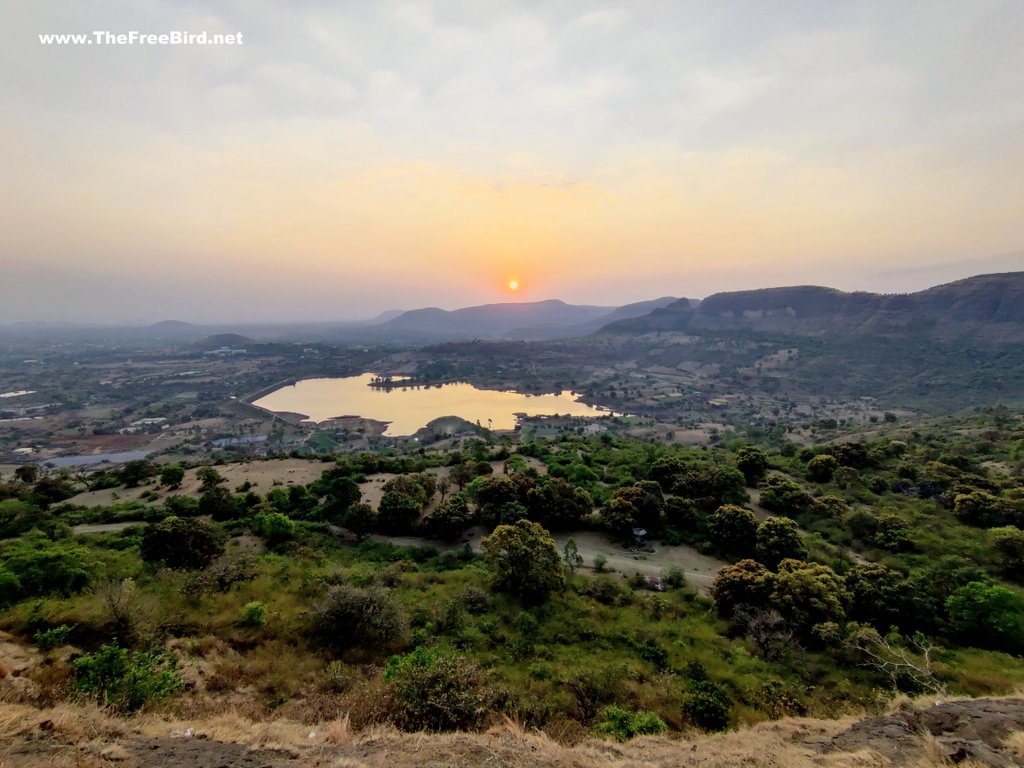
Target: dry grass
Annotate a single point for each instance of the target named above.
(84, 735)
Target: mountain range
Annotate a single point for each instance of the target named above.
(987, 308)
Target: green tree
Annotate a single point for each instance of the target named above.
(557, 504)
(339, 492)
(807, 594)
(778, 539)
(27, 473)
(619, 516)
(408, 486)
(360, 519)
(180, 543)
(1008, 542)
(746, 583)
(571, 555)
(981, 509)
(218, 503)
(134, 472)
(171, 476)
(880, 596)
(780, 494)
(821, 468)
(398, 513)
(209, 478)
(987, 616)
(712, 485)
(666, 470)
(450, 518)
(752, 462)
(733, 530)
(524, 561)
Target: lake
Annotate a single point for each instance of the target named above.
(408, 409)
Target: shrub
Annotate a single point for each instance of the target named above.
(475, 600)
(181, 543)
(707, 706)
(274, 527)
(624, 725)
(674, 578)
(48, 639)
(39, 567)
(254, 615)
(348, 616)
(127, 680)
(439, 692)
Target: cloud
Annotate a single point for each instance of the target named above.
(446, 142)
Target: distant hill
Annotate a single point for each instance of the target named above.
(554, 331)
(986, 308)
(487, 321)
(525, 321)
(219, 340)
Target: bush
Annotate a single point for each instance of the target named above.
(707, 706)
(624, 725)
(48, 639)
(274, 527)
(34, 566)
(180, 543)
(349, 617)
(127, 680)
(674, 578)
(254, 615)
(439, 692)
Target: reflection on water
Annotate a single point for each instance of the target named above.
(410, 408)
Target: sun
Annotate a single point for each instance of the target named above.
(513, 285)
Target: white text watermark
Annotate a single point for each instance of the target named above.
(134, 37)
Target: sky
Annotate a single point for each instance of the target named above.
(354, 157)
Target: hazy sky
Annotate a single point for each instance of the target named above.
(352, 157)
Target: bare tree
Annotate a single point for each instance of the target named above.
(770, 635)
(911, 662)
(125, 606)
